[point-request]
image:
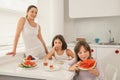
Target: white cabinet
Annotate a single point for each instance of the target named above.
(94, 52)
(93, 8)
(109, 55)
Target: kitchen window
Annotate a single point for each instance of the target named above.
(10, 12)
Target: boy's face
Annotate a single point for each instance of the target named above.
(83, 53)
(58, 44)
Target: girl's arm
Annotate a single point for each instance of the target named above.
(41, 39)
(70, 53)
(50, 54)
(17, 35)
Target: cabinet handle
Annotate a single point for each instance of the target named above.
(92, 50)
(117, 51)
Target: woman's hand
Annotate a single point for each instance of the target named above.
(11, 53)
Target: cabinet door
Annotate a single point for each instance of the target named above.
(94, 52)
(109, 56)
(93, 8)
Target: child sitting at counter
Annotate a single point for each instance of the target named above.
(83, 53)
(59, 49)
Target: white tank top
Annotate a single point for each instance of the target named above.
(64, 56)
(32, 44)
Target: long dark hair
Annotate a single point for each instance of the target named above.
(78, 47)
(31, 6)
(64, 44)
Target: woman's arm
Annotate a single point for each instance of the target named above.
(41, 39)
(17, 35)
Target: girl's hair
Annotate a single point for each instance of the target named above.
(61, 38)
(78, 47)
(29, 7)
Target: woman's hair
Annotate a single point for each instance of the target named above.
(78, 47)
(29, 7)
(61, 38)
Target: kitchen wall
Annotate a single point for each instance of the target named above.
(90, 28)
(8, 25)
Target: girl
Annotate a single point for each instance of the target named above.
(31, 33)
(59, 49)
(83, 52)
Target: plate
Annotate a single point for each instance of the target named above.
(55, 68)
(60, 61)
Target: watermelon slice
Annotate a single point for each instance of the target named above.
(87, 64)
(28, 64)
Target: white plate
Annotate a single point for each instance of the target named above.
(54, 69)
(60, 61)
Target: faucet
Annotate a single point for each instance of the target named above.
(111, 40)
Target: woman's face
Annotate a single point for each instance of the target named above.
(83, 53)
(58, 44)
(32, 13)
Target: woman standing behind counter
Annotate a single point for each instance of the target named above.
(31, 33)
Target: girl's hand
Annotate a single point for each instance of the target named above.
(11, 53)
(53, 48)
(94, 72)
(74, 67)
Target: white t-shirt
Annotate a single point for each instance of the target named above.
(64, 56)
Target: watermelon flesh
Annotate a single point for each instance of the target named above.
(28, 64)
(87, 64)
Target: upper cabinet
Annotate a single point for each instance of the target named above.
(93, 8)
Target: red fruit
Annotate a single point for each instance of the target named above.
(87, 64)
(29, 57)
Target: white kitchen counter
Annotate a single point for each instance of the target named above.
(9, 67)
(95, 45)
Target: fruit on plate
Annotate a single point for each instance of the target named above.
(30, 57)
(28, 64)
(87, 64)
(51, 66)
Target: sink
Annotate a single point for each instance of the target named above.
(107, 43)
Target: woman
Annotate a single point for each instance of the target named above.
(31, 33)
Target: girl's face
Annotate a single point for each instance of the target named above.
(32, 13)
(83, 53)
(58, 44)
